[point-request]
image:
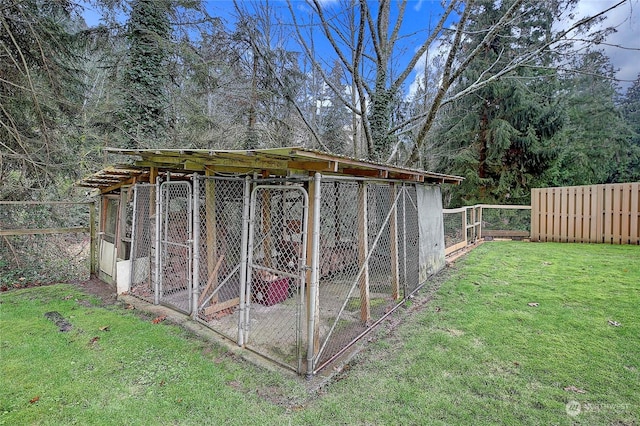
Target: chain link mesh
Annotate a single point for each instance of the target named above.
(367, 265)
(277, 246)
(368, 260)
(219, 231)
(175, 237)
(44, 258)
(506, 219)
(454, 231)
(143, 242)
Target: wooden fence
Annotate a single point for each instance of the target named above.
(589, 214)
(466, 225)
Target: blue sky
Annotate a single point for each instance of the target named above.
(420, 13)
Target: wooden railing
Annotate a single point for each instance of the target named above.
(466, 225)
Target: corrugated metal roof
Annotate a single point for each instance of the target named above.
(271, 162)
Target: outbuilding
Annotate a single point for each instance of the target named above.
(289, 252)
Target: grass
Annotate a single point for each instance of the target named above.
(476, 353)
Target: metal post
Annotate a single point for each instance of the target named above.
(246, 203)
(190, 249)
(315, 275)
(302, 268)
(247, 299)
(156, 284)
(196, 246)
(404, 237)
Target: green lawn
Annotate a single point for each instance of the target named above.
(475, 353)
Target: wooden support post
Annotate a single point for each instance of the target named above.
(363, 251)
(93, 264)
(212, 278)
(266, 229)
(212, 237)
(393, 230)
(153, 178)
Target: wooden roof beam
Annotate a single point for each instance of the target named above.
(314, 166)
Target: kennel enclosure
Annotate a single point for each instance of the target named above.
(291, 253)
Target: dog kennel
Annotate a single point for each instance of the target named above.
(289, 252)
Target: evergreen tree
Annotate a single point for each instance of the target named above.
(501, 138)
(631, 108)
(146, 79)
(596, 142)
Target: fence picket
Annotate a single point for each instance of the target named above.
(595, 214)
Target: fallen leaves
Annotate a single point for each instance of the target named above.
(105, 328)
(614, 323)
(533, 304)
(159, 319)
(34, 400)
(94, 340)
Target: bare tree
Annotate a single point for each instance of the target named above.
(372, 58)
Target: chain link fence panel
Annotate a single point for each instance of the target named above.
(218, 240)
(44, 243)
(143, 242)
(369, 247)
(174, 283)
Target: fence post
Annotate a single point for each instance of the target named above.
(196, 246)
(313, 337)
(92, 239)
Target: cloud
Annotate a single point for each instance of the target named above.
(626, 21)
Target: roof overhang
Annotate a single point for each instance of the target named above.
(268, 162)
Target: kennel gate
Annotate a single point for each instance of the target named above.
(276, 273)
(174, 284)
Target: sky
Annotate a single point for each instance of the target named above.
(626, 21)
(622, 47)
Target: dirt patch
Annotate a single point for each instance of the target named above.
(60, 321)
(99, 289)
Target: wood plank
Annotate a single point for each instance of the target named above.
(213, 278)
(314, 166)
(535, 214)
(507, 206)
(502, 233)
(596, 225)
(365, 172)
(563, 215)
(579, 221)
(455, 247)
(555, 212)
(211, 229)
(616, 216)
(625, 214)
(220, 306)
(634, 229)
(464, 227)
(607, 209)
(44, 231)
(571, 214)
